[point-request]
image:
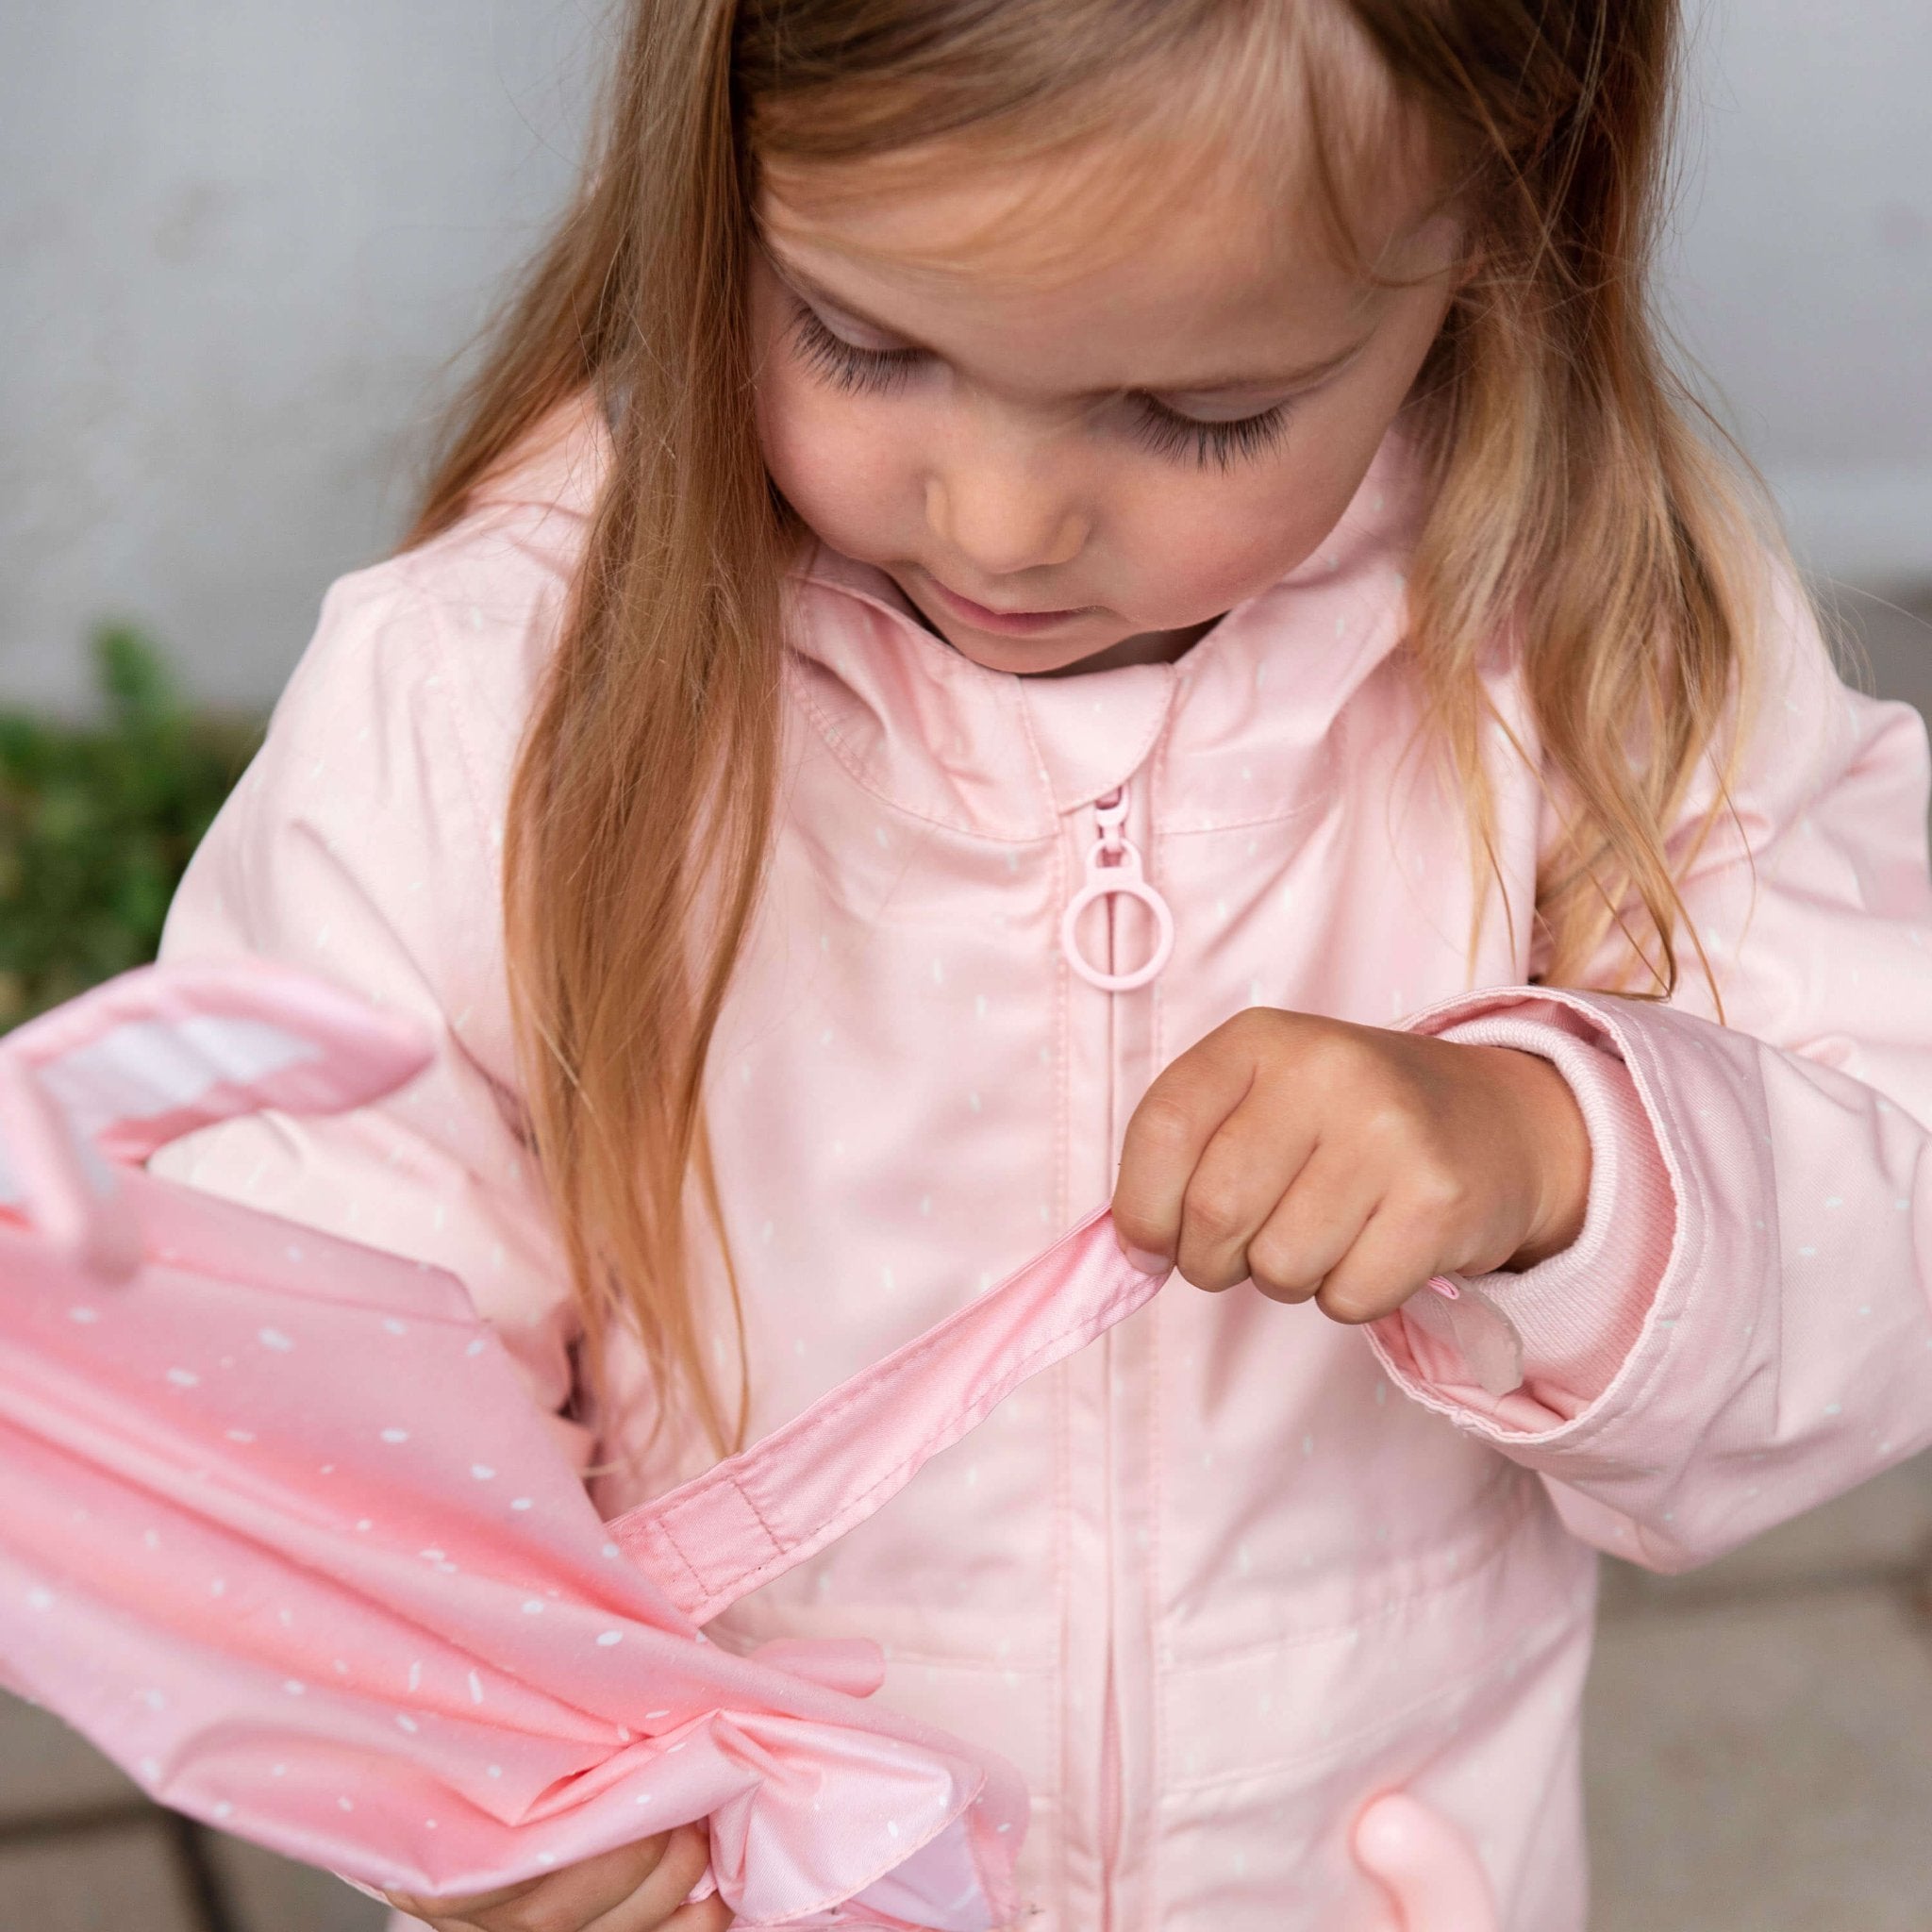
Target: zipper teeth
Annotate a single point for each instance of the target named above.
(1116, 808)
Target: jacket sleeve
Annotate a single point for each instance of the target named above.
(357, 846)
(1742, 1331)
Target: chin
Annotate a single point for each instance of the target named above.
(1017, 655)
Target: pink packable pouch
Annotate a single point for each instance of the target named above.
(282, 1534)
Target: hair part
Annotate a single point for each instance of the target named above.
(1580, 523)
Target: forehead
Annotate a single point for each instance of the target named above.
(1139, 246)
(1268, 181)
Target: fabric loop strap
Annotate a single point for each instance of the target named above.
(751, 1518)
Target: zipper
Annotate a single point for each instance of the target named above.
(1114, 871)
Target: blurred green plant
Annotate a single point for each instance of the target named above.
(97, 822)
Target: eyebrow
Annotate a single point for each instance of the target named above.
(1303, 377)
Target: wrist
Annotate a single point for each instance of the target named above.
(1555, 1153)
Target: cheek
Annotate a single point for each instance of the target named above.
(1201, 542)
(834, 460)
(1219, 539)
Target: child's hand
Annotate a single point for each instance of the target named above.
(1348, 1163)
(636, 1887)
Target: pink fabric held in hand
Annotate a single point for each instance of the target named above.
(282, 1534)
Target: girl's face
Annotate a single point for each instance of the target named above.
(1070, 444)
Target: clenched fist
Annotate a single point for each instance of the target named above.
(1348, 1164)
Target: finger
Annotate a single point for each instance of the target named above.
(1176, 1120)
(1313, 1226)
(1254, 1158)
(661, 1899)
(437, 1913)
(1389, 1261)
(421, 1904)
(575, 1895)
(437, 1909)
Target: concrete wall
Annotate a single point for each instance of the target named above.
(241, 236)
(1803, 281)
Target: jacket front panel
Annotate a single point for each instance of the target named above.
(1220, 1577)
(1209, 1584)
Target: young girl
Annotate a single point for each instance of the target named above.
(1028, 583)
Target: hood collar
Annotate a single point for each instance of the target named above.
(936, 734)
(939, 734)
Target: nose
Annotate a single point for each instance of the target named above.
(998, 503)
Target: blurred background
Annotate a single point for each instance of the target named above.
(244, 241)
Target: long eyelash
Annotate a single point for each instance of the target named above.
(875, 371)
(1223, 444)
(878, 371)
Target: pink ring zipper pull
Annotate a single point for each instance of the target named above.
(1113, 869)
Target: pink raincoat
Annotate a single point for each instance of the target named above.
(1218, 1577)
(211, 1556)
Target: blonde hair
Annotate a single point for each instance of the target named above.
(1577, 519)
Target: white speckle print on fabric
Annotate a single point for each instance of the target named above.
(935, 812)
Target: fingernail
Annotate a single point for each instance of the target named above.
(1148, 1263)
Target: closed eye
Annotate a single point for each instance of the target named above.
(1168, 433)
(845, 364)
(1165, 432)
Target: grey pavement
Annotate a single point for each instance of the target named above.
(1757, 1748)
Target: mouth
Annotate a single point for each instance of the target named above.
(1012, 624)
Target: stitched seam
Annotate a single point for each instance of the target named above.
(1062, 1430)
(917, 636)
(1660, 1107)
(978, 1666)
(1502, 1533)
(1391, 1723)
(829, 735)
(976, 1408)
(221, 1269)
(1493, 1545)
(653, 1540)
(1062, 1015)
(703, 1503)
(1660, 1113)
(750, 1578)
(1293, 812)
(1158, 1743)
(1150, 739)
(1061, 1393)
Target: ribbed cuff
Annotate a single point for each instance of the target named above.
(1578, 1313)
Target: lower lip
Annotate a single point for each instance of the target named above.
(1010, 624)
